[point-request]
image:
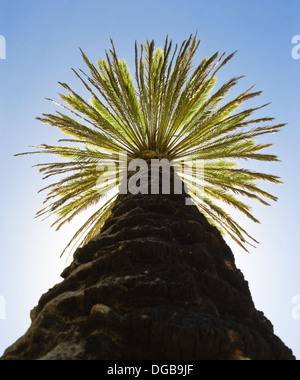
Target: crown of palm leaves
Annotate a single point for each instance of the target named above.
(169, 112)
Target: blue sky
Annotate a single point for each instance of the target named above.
(42, 40)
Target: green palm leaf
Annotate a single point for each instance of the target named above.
(169, 112)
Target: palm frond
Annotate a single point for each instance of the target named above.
(170, 111)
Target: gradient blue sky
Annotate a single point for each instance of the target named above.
(42, 45)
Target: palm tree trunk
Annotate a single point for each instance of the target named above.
(159, 282)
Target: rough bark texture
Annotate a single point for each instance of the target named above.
(159, 282)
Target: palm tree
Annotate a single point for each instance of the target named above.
(153, 278)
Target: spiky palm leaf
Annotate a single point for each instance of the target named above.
(170, 112)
